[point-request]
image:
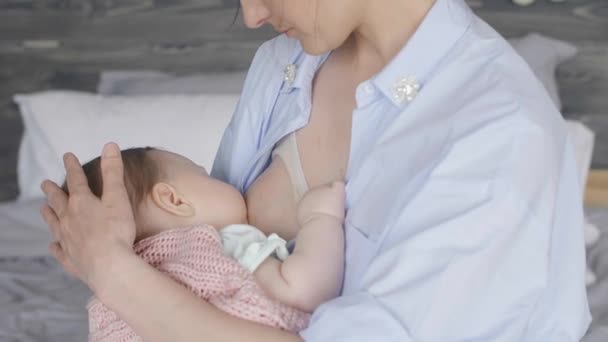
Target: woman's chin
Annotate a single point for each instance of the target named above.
(313, 48)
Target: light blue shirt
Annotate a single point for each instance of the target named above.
(464, 213)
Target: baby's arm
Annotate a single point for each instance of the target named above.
(312, 274)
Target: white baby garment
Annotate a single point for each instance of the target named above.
(250, 247)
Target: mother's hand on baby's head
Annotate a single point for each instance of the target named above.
(90, 233)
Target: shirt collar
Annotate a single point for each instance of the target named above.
(442, 27)
(306, 67)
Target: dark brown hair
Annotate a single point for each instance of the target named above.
(141, 172)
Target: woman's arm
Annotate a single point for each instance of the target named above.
(159, 309)
(94, 239)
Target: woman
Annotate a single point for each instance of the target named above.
(464, 219)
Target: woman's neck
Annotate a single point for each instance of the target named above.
(385, 28)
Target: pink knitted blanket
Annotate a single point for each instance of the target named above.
(194, 257)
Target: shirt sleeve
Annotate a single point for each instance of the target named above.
(476, 274)
(241, 138)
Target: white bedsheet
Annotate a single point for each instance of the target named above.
(23, 233)
(38, 302)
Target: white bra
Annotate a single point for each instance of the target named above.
(287, 150)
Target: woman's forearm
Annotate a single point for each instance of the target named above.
(159, 309)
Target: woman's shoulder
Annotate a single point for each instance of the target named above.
(503, 125)
(491, 89)
(268, 67)
(498, 70)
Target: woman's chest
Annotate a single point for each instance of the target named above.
(324, 143)
(323, 146)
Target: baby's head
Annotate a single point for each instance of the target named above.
(168, 191)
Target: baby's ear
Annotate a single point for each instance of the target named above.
(167, 198)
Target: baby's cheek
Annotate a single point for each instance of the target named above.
(222, 204)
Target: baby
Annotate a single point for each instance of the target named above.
(194, 228)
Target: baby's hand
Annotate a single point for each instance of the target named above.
(326, 200)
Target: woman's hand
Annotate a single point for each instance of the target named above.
(91, 234)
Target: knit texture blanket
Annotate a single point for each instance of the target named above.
(194, 257)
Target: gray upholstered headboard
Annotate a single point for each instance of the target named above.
(47, 44)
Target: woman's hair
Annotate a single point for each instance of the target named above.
(141, 172)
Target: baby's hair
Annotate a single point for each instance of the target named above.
(141, 172)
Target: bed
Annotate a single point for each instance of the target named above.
(597, 259)
(39, 302)
(182, 47)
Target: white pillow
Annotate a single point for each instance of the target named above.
(583, 139)
(543, 55)
(60, 121)
(157, 83)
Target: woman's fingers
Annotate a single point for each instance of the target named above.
(75, 177)
(56, 198)
(58, 253)
(113, 175)
(88, 230)
(52, 221)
